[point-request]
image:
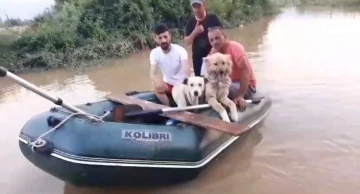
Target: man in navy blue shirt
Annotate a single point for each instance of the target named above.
(196, 32)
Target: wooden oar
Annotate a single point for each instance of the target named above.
(40, 92)
(176, 109)
(184, 116)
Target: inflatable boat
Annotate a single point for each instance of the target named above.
(110, 153)
(86, 145)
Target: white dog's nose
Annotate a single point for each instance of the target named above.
(196, 93)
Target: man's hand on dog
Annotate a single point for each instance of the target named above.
(241, 103)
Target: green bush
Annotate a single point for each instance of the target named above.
(81, 30)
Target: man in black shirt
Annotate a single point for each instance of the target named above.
(196, 33)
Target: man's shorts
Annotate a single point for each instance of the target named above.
(169, 88)
(234, 88)
(168, 93)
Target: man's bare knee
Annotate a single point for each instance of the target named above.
(163, 98)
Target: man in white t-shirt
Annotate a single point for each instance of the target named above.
(171, 59)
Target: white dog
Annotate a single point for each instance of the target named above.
(190, 92)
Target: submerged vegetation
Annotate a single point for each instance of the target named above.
(75, 31)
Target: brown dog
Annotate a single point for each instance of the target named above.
(218, 71)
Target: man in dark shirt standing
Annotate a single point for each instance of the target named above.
(196, 33)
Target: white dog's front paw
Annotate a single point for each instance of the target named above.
(234, 116)
(224, 116)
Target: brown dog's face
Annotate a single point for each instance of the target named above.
(218, 63)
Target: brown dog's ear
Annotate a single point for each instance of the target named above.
(205, 59)
(185, 81)
(229, 60)
(228, 56)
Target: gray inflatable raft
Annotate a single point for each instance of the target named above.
(111, 153)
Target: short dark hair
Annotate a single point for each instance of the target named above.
(160, 28)
(215, 28)
(222, 30)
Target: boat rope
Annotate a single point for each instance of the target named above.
(40, 142)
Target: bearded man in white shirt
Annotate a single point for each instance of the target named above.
(171, 59)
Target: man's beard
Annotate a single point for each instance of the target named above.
(165, 46)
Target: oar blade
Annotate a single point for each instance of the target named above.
(120, 112)
(184, 116)
(144, 113)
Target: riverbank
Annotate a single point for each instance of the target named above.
(74, 34)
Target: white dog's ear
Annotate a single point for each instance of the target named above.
(185, 81)
(205, 79)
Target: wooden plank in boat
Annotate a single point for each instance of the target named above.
(185, 116)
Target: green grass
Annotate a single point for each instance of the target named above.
(6, 40)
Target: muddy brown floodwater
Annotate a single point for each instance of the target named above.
(306, 59)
